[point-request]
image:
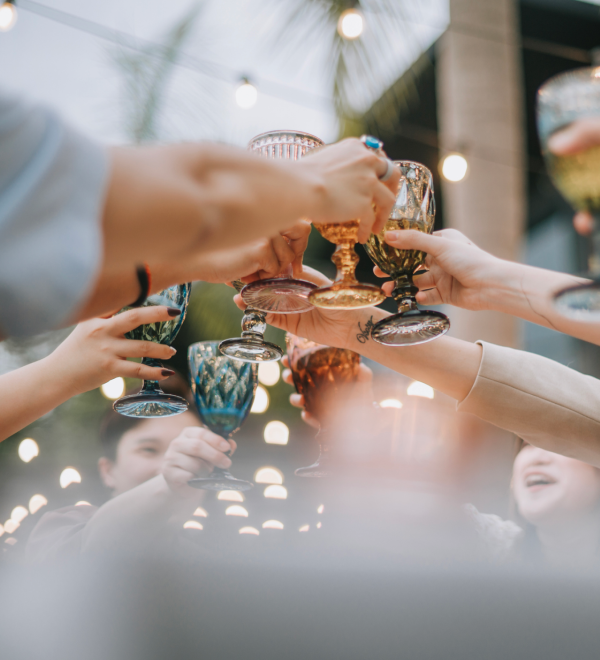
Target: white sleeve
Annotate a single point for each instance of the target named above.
(52, 185)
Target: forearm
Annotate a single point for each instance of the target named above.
(446, 364)
(137, 519)
(527, 292)
(29, 393)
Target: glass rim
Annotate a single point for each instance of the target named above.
(286, 132)
(582, 73)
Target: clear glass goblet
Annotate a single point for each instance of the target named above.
(320, 374)
(151, 401)
(223, 392)
(561, 100)
(281, 294)
(414, 209)
(251, 346)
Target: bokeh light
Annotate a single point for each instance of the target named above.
(246, 95)
(113, 389)
(276, 433)
(82, 503)
(36, 503)
(276, 492)
(69, 476)
(268, 475)
(200, 513)
(420, 389)
(249, 530)
(28, 449)
(320, 508)
(391, 403)
(19, 513)
(304, 528)
(230, 496)
(11, 541)
(269, 373)
(236, 510)
(261, 400)
(192, 524)
(319, 525)
(351, 24)
(8, 16)
(272, 524)
(11, 525)
(454, 167)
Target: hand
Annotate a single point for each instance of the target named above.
(194, 453)
(579, 136)
(460, 273)
(97, 350)
(362, 391)
(347, 174)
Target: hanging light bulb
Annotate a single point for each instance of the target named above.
(351, 23)
(246, 94)
(8, 15)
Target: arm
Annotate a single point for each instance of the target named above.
(94, 353)
(139, 518)
(463, 275)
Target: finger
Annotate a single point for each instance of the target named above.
(127, 369)
(388, 288)
(189, 464)
(298, 241)
(188, 440)
(411, 239)
(176, 477)
(578, 136)
(297, 400)
(283, 256)
(132, 348)
(133, 318)
(233, 445)
(367, 220)
(201, 450)
(378, 272)
(285, 361)
(287, 377)
(310, 420)
(583, 223)
(429, 297)
(237, 299)
(425, 281)
(384, 200)
(315, 276)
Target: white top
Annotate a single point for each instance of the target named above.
(52, 184)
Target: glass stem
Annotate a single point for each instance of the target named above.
(324, 448)
(345, 260)
(594, 259)
(404, 294)
(151, 386)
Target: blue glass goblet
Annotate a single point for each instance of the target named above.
(151, 401)
(223, 391)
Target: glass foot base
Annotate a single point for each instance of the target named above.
(314, 471)
(250, 349)
(414, 327)
(581, 303)
(223, 480)
(279, 295)
(347, 296)
(150, 405)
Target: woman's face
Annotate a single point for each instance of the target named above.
(550, 488)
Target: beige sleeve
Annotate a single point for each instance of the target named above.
(541, 401)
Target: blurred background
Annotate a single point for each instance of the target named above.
(449, 83)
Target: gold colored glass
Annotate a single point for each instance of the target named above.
(281, 294)
(414, 209)
(320, 374)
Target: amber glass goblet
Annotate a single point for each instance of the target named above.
(321, 374)
(414, 209)
(281, 294)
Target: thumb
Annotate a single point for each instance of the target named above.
(411, 239)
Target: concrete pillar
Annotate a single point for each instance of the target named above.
(480, 114)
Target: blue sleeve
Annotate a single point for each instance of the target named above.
(52, 185)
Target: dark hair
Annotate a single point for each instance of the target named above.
(114, 426)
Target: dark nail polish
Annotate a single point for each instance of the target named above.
(173, 311)
(167, 372)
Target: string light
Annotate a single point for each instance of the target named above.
(391, 403)
(246, 95)
(269, 373)
(36, 503)
(28, 450)
(420, 389)
(69, 476)
(276, 492)
(268, 475)
(114, 388)
(8, 15)
(351, 24)
(236, 510)
(276, 433)
(454, 167)
(261, 400)
(19, 513)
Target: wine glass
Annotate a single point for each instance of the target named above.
(561, 100)
(281, 294)
(251, 346)
(320, 373)
(151, 401)
(414, 209)
(223, 393)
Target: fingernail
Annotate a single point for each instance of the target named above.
(173, 350)
(173, 311)
(167, 372)
(224, 446)
(392, 235)
(558, 141)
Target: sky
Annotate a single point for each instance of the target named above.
(75, 72)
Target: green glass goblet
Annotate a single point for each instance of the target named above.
(223, 391)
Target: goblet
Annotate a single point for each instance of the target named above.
(561, 100)
(223, 393)
(251, 346)
(151, 401)
(282, 294)
(414, 209)
(320, 373)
